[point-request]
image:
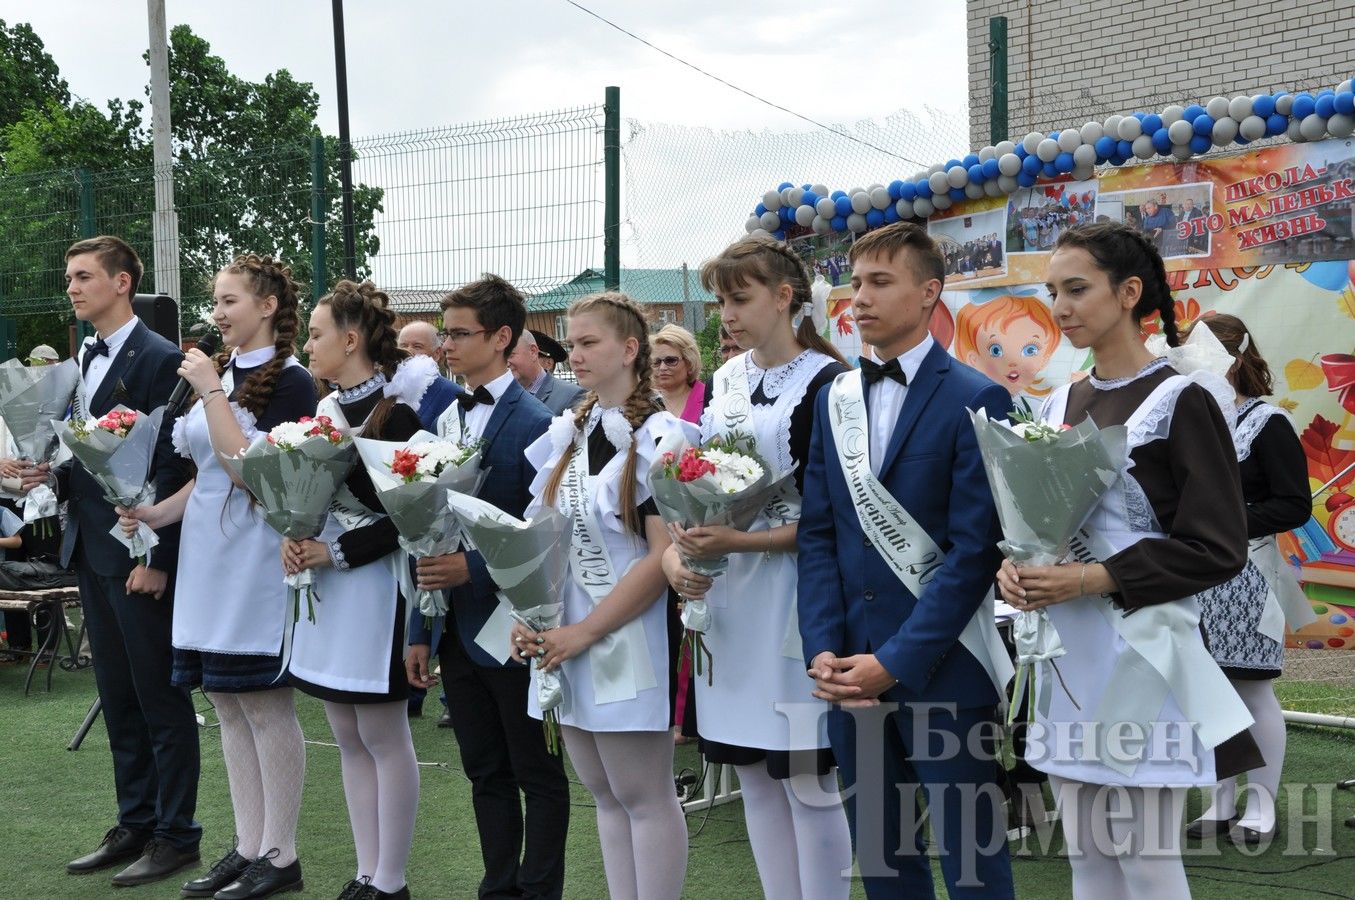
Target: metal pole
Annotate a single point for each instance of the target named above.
(611, 211)
(319, 270)
(165, 226)
(997, 72)
(350, 260)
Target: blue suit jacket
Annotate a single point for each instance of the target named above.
(518, 419)
(849, 600)
(141, 377)
(438, 396)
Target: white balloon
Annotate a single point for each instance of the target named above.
(1252, 128)
(1084, 173)
(860, 202)
(1069, 140)
(770, 221)
(874, 185)
(904, 208)
(1343, 87)
(1005, 147)
(1225, 129)
(1182, 151)
(1130, 128)
(804, 215)
(1294, 132)
(1313, 127)
(939, 182)
(936, 167)
(856, 222)
(1112, 126)
(1173, 113)
(1010, 164)
(771, 200)
(1031, 141)
(1217, 107)
(1284, 104)
(826, 207)
(1091, 132)
(1239, 108)
(762, 233)
(796, 195)
(1143, 147)
(922, 207)
(1180, 131)
(785, 197)
(1047, 149)
(879, 198)
(991, 189)
(973, 190)
(861, 190)
(987, 153)
(821, 225)
(752, 224)
(942, 201)
(1084, 155)
(1007, 183)
(1341, 125)
(918, 176)
(820, 189)
(956, 176)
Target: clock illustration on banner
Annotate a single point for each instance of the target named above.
(1341, 523)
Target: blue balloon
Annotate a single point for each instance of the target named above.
(1304, 104)
(976, 174)
(1116, 160)
(779, 234)
(1276, 124)
(908, 191)
(1031, 165)
(1064, 162)
(1053, 135)
(875, 218)
(956, 194)
(1241, 141)
(1345, 103)
(990, 169)
(1124, 148)
(1021, 151)
(1025, 179)
(1325, 106)
(1151, 123)
(1203, 123)
(1263, 106)
(844, 206)
(971, 160)
(1330, 276)
(839, 223)
(895, 189)
(1192, 111)
(924, 190)
(783, 185)
(1200, 143)
(1326, 92)
(1105, 146)
(1050, 170)
(787, 214)
(838, 195)
(1162, 141)
(952, 163)
(810, 198)
(759, 209)
(891, 214)
(805, 187)
(1139, 115)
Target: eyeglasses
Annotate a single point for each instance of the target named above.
(458, 335)
(667, 362)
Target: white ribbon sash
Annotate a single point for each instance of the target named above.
(904, 544)
(1286, 604)
(620, 661)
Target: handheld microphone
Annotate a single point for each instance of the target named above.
(209, 343)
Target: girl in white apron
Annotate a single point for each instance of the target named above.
(799, 836)
(1245, 618)
(230, 605)
(612, 645)
(352, 655)
(1137, 711)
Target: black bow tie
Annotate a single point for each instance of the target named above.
(98, 348)
(872, 371)
(480, 395)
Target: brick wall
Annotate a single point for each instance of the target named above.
(1091, 60)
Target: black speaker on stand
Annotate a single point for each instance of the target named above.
(160, 312)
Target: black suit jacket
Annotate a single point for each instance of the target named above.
(140, 377)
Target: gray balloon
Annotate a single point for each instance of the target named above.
(826, 207)
(973, 191)
(820, 189)
(1091, 132)
(1182, 151)
(922, 207)
(987, 153)
(820, 225)
(1180, 131)
(1032, 141)
(1143, 147)
(904, 208)
(1239, 108)
(772, 200)
(861, 200)
(1295, 132)
(1069, 140)
(1284, 104)
(804, 215)
(942, 201)
(1008, 183)
(856, 223)
(1252, 128)
(1173, 113)
(1217, 107)
(939, 182)
(1010, 164)
(957, 177)
(752, 224)
(1047, 149)
(1341, 125)
(1084, 155)
(1004, 147)
(991, 189)
(770, 221)
(1225, 129)
(1313, 127)
(879, 198)
(1130, 128)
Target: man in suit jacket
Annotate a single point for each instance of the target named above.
(868, 637)
(531, 362)
(152, 728)
(503, 750)
(421, 339)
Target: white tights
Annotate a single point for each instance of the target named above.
(640, 822)
(265, 766)
(381, 784)
(1124, 843)
(798, 831)
(1270, 736)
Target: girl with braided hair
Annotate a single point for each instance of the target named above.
(1146, 712)
(612, 645)
(231, 607)
(352, 655)
(800, 840)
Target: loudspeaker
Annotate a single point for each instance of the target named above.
(160, 313)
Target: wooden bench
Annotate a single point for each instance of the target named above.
(46, 609)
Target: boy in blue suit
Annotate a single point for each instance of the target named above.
(503, 750)
(898, 552)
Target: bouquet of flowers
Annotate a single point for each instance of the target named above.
(412, 479)
(721, 483)
(32, 398)
(529, 561)
(117, 449)
(1045, 481)
(294, 472)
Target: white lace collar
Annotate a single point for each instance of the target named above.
(1103, 384)
(614, 426)
(773, 380)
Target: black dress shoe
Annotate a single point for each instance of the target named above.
(118, 846)
(358, 889)
(263, 879)
(1249, 836)
(402, 894)
(158, 861)
(445, 720)
(227, 869)
(1203, 828)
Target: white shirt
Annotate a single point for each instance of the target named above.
(473, 427)
(886, 400)
(99, 365)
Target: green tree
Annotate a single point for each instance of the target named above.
(28, 74)
(708, 339)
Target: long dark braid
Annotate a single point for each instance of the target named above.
(267, 277)
(1124, 252)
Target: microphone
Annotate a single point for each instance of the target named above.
(209, 343)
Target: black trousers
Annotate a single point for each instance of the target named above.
(503, 751)
(152, 729)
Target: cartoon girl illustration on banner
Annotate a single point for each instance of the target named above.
(1009, 338)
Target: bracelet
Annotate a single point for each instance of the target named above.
(1082, 582)
(769, 541)
(207, 396)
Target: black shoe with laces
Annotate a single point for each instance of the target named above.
(226, 870)
(160, 859)
(402, 894)
(119, 845)
(358, 889)
(263, 879)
